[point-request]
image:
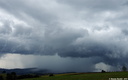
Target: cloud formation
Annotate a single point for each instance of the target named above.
(52, 63)
(69, 28)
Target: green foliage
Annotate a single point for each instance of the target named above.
(84, 76)
(4, 72)
(27, 76)
(8, 76)
(51, 75)
(1, 77)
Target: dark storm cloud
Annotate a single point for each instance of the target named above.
(28, 11)
(69, 28)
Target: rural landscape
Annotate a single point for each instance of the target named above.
(103, 75)
(69, 76)
(63, 39)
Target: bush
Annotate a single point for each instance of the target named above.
(51, 75)
(1, 78)
(103, 71)
(28, 76)
(11, 76)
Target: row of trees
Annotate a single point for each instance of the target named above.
(13, 76)
(9, 76)
(123, 69)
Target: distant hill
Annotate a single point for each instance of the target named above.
(26, 71)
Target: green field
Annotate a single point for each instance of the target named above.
(84, 76)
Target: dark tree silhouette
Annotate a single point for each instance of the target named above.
(11, 76)
(27, 76)
(51, 75)
(124, 68)
(3, 71)
(1, 78)
(13, 73)
(103, 71)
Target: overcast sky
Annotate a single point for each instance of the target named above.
(60, 34)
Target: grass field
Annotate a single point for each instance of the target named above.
(85, 76)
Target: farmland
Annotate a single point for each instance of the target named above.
(85, 76)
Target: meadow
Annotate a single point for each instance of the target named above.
(85, 76)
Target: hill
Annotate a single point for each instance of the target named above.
(25, 71)
(86, 76)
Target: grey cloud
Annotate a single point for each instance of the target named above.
(5, 28)
(53, 63)
(125, 31)
(25, 41)
(99, 5)
(126, 3)
(93, 29)
(21, 30)
(28, 11)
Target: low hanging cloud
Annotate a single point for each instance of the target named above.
(52, 63)
(70, 28)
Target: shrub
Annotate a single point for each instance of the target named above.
(103, 71)
(51, 75)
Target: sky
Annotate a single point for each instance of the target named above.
(64, 35)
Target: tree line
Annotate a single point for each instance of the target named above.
(14, 76)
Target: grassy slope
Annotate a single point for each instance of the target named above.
(87, 76)
(3, 75)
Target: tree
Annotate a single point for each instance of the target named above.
(124, 68)
(3, 72)
(1, 77)
(11, 76)
(103, 71)
(51, 75)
